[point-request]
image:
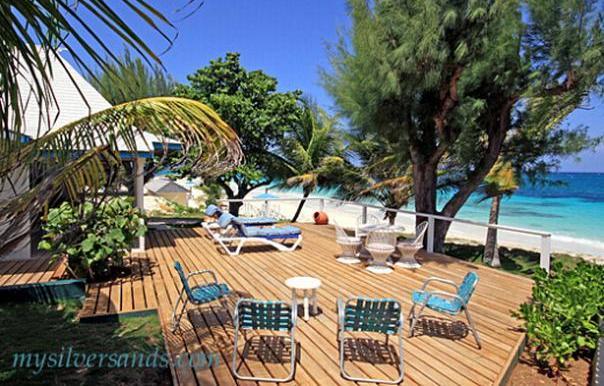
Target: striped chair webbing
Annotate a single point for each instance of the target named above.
(264, 315)
(372, 315)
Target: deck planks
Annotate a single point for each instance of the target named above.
(260, 272)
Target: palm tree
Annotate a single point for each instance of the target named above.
(310, 151)
(82, 159)
(501, 181)
(382, 175)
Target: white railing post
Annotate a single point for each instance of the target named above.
(546, 247)
(364, 215)
(430, 246)
(322, 205)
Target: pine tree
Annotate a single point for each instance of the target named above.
(451, 81)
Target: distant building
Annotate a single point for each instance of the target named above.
(169, 189)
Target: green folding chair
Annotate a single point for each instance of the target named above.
(370, 315)
(267, 315)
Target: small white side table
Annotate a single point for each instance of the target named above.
(307, 285)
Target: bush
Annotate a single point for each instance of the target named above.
(562, 318)
(94, 237)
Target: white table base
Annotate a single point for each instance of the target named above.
(348, 260)
(309, 300)
(379, 269)
(408, 264)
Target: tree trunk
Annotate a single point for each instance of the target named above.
(300, 205)
(391, 216)
(424, 186)
(234, 207)
(491, 253)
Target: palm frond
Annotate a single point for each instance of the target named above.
(35, 31)
(82, 157)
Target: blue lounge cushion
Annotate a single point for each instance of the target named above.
(209, 292)
(437, 303)
(212, 210)
(256, 220)
(272, 232)
(225, 220)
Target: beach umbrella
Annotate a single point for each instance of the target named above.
(266, 196)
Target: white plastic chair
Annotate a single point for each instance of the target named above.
(380, 244)
(408, 248)
(371, 220)
(350, 246)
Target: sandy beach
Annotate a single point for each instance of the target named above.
(346, 216)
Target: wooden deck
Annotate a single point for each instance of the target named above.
(30, 271)
(442, 353)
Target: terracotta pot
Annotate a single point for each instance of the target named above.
(321, 218)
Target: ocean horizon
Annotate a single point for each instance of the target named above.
(571, 207)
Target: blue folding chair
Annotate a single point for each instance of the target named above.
(268, 315)
(448, 303)
(200, 294)
(370, 315)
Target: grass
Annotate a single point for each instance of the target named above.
(39, 328)
(514, 260)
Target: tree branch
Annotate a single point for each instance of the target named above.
(568, 84)
(448, 101)
(496, 138)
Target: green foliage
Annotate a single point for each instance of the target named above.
(454, 85)
(309, 150)
(42, 328)
(94, 237)
(128, 79)
(249, 102)
(213, 193)
(35, 31)
(562, 318)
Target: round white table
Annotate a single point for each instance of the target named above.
(308, 285)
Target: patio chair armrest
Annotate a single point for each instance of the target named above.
(341, 313)
(294, 313)
(439, 280)
(204, 272)
(444, 293)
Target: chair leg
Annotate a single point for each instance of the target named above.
(415, 318)
(176, 316)
(264, 379)
(401, 367)
(473, 327)
(235, 352)
(410, 319)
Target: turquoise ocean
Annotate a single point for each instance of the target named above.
(570, 206)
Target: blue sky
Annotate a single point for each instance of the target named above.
(287, 39)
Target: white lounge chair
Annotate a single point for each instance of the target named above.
(238, 234)
(215, 212)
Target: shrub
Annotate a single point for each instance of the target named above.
(94, 237)
(562, 318)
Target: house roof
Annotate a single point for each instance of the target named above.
(165, 185)
(74, 98)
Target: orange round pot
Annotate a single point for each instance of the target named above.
(321, 218)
